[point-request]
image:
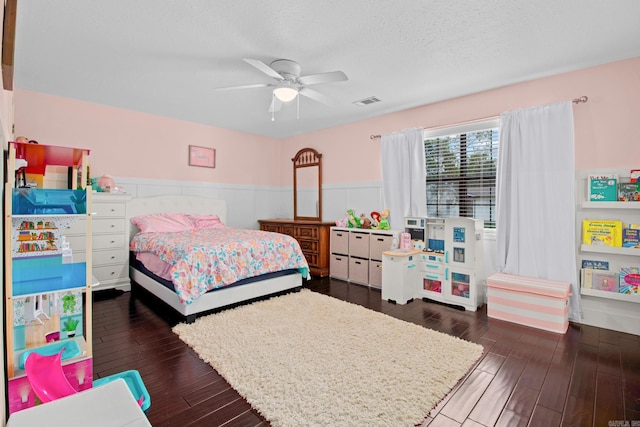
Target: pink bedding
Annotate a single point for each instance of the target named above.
(205, 259)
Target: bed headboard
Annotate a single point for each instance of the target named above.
(173, 203)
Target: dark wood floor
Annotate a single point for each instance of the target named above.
(526, 377)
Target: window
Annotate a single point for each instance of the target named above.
(461, 168)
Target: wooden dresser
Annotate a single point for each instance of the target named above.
(313, 237)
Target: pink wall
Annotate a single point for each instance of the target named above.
(604, 126)
(131, 144)
(119, 138)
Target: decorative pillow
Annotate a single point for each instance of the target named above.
(205, 221)
(167, 223)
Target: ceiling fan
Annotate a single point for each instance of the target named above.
(289, 83)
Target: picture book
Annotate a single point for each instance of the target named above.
(595, 265)
(630, 237)
(602, 188)
(628, 192)
(605, 281)
(602, 232)
(629, 280)
(586, 278)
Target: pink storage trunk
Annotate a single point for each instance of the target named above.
(539, 303)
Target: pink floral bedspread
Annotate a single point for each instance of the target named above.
(210, 258)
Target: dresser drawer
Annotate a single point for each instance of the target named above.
(312, 258)
(273, 228)
(111, 272)
(108, 241)
(78, 226)
(310, 246)
(109, 225)
(339, 242)
(359, 244)
(115, 256)
(287, 229)
(109, 209)
(77, 243)
(306, 231)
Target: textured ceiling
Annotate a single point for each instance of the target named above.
(167, 57)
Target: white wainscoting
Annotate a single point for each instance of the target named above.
(246, 203)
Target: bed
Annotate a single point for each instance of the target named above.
(259, 287)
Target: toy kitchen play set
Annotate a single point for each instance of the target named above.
(438, 259)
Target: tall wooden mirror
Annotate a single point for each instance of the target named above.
(307, 185)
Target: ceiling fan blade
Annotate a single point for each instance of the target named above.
(317, 96)
(264, 68)
(330, 77)
(244, 86)
(276, 104)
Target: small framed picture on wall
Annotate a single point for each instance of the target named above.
(202, 156)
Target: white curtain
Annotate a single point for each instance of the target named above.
(535, 219)
(403, 175)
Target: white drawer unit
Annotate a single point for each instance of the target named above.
(356, 254)
(110, 254)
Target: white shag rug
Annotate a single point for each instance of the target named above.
(307, 359)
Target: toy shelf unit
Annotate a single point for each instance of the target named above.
(609, 251)
(47, 294)
(452, 261)
(356, 254)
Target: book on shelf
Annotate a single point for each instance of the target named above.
(628, 192)
(601, 280)
(629, 280)
(602, 188)
(602, 232)
(605, 281)
(630, 237)
(595, 265)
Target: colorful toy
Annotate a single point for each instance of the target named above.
(47, 379)
(354, 221)
(46, 376)
(375, 216)
(344, 222)
(364, 222)
(384, 222)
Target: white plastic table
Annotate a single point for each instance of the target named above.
(110, 405)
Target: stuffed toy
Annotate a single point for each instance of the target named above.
(354, 221)
(384, 222)
(344, 222)
(375, 216)
(365, 222)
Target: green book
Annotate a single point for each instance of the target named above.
(603, 188)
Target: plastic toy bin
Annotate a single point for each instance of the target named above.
(43, 274)
(529, 301)
(38, 201)
(135, 384)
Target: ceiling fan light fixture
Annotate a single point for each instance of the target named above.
(285, 93)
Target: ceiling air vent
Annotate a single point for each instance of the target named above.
(367, 101)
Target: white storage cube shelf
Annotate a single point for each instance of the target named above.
(356, 254)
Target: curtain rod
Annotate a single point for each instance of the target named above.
(575, 101)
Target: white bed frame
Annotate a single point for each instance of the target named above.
(212, 300)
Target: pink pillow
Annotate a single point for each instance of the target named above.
(205, 221)
(169, 222)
